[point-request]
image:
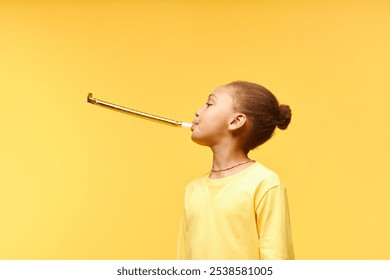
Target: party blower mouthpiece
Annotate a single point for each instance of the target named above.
(136, 113)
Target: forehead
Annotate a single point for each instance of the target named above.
(222, 92)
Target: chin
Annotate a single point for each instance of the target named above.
(198, 140)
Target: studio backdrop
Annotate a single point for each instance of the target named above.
(82, 182)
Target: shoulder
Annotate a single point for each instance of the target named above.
(264, 176)
(195, 183)
(264, 179)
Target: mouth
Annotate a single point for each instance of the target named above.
(193, 125)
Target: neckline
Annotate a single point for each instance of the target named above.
(222, 180)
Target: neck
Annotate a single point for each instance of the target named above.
(226, 156)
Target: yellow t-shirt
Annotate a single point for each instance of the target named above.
(243, 216)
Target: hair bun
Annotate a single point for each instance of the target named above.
(284, 116)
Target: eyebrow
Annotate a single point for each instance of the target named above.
(213, 95)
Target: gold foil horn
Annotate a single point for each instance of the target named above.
(135, 113)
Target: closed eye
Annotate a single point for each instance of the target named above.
(208, 104)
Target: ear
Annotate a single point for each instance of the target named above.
(237, 121)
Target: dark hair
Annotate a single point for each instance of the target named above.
(262, 110)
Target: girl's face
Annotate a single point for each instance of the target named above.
(210, 125)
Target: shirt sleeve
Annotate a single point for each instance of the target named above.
(273, 225)
(181, 244)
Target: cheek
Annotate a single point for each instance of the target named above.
(208, 134)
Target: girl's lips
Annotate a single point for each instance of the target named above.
(193, 125)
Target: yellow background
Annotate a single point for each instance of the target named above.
(82, 182)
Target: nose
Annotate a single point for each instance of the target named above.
(197, 113)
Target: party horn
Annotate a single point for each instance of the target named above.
(136, 113)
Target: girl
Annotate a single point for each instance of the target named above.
(239, 209)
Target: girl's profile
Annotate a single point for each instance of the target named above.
(239, 208)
